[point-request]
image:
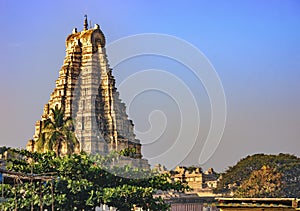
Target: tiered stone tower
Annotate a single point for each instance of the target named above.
(86, 90)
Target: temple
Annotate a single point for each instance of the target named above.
(86, 90)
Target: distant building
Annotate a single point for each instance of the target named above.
(201, 197)
(202, 183)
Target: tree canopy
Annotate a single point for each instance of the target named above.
(265, 182)
(77, 182)
(284, 167)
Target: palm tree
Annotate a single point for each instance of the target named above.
(58, 134)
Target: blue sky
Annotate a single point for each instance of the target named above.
(253, 45)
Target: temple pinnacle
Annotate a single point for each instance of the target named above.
(85, 25)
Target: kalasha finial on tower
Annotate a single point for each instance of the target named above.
(85, 25)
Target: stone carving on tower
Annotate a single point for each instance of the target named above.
(86, 90)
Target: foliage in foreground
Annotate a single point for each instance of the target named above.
(80, 181)
(262, 175)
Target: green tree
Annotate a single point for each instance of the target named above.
(57, 132)
(80, 182)
(265, 182)
(285, 164)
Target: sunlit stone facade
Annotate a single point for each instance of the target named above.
(86, 90)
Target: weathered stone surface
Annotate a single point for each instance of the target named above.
(86, 90)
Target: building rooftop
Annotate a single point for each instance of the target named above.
(259, 203)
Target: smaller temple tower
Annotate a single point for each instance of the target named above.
(86, 90)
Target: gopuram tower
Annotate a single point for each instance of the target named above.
(86, 90)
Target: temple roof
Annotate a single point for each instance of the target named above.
(94, 36)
